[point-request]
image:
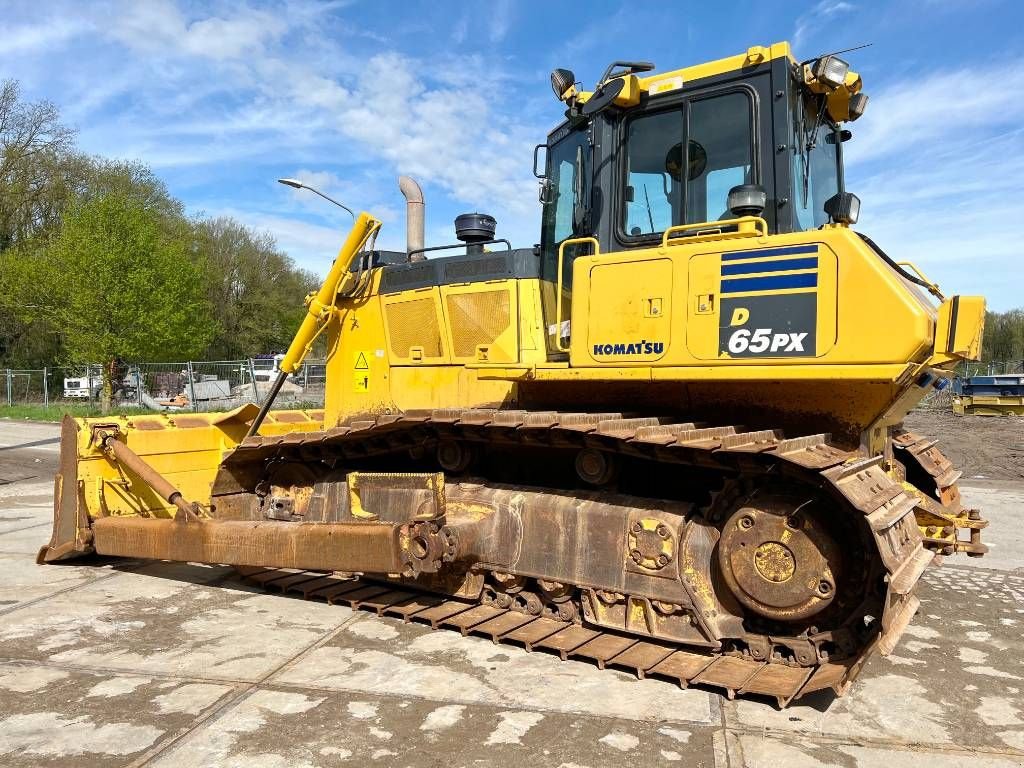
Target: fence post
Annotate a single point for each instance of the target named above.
(252, 376)
(46, 390)
(192, 388)
(10, 402)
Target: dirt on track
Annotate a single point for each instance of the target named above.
(989, 447)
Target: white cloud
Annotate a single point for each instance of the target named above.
(29, 39)
(159, 26)
(817, 19)
(501, 19)
(937, 161)
(312, 246)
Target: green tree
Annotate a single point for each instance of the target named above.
(255, 291)
(123, 286)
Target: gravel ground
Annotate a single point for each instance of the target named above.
(982, 447)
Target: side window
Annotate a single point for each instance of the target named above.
(565, 182)
(652, 189)
(720, 154)
(567, 194)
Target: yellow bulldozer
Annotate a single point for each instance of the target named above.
(666, 439)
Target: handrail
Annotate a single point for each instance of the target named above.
(746, 226)
(933, 288)
(558, 284)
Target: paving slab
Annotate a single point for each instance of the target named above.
(385, 656)
(1002, 504)
(24, 505)
(53, 716)
(166, 619)
(955, 680)
(25, 541)
(22, 581)
(283, 727)
(746, 751)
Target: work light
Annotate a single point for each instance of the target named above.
(858, 103)
(830, 71)
(561, 81)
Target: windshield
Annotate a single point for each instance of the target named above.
(816, 159)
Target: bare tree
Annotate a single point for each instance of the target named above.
(33, 149)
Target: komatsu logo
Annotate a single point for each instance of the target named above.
(642, 347)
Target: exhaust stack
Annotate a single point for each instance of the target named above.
(413, 216)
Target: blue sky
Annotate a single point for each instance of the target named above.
(223, 97)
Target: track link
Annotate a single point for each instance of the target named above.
(858, 483)
(735, 675)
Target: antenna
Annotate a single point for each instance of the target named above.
(836, 53)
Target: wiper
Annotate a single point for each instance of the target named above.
(650, 215)
(810, 142)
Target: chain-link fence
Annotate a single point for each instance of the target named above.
(208, 385)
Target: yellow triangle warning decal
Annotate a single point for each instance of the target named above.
(361, 363)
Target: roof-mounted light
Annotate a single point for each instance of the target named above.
(843, 208)
(858, 103)
(830, 71)
(561, 81)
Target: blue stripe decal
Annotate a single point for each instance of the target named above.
(792, 250)
(770, 266)
(773, 282)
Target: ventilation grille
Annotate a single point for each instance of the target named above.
(477, 318)
(413, 324)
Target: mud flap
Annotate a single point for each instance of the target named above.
(72, 534)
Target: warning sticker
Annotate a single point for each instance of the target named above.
(361, 372)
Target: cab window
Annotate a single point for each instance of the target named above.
(667, 185)
(567, 194)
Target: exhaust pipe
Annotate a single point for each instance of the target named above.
(413, 216)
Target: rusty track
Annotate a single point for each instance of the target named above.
(859, 484)
(646, 658)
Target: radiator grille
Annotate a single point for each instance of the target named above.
(413, 324)
(477, 318)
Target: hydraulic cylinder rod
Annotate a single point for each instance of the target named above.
(131, 460)
(318, 308)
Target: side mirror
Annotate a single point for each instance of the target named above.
(747, 200)
(604, 96)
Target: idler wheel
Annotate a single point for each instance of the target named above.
(778, 558)
(453, 456)
(595, 467)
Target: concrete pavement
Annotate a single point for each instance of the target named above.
(130, 664)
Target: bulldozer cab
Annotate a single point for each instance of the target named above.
(670, 156)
